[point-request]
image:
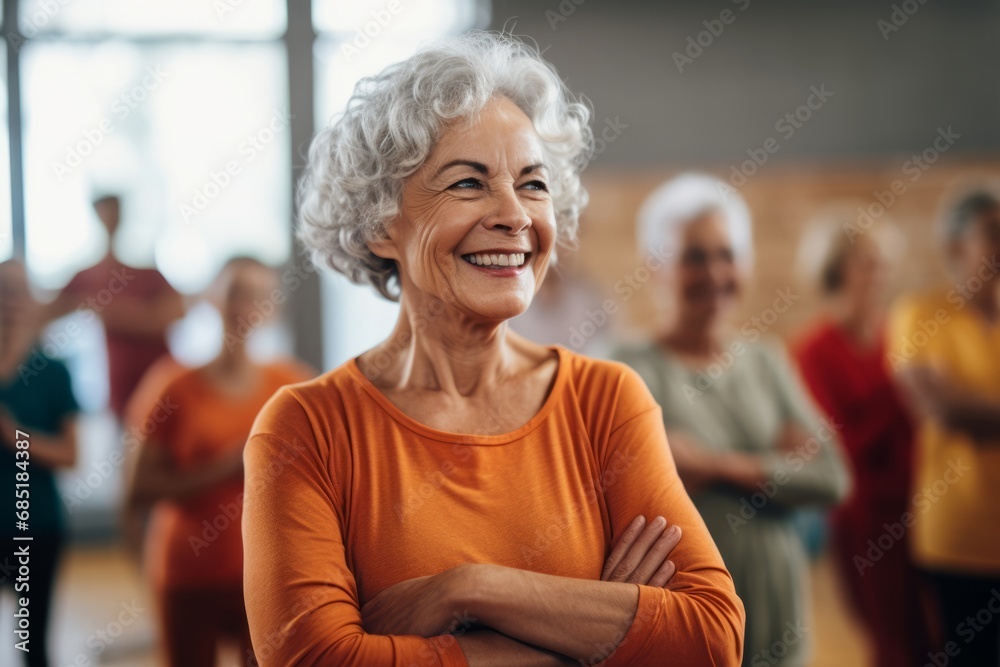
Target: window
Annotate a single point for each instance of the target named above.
(247, 18)
(195, 137)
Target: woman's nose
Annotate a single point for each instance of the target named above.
(509, 214)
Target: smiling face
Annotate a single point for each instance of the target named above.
(706, 276)
(476, 226)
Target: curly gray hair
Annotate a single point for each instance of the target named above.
(353, 180)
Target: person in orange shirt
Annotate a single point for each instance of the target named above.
(458, 495)
(190, 467)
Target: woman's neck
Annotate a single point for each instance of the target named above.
(858, 318)
(694, 339)
(233, 359)
(434, 348)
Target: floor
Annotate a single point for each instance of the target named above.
(103, 617)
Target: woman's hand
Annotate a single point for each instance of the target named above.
(791, 438)
(640, 557)
(422, 606)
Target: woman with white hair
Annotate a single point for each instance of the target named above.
(748, 445)
(457, 494)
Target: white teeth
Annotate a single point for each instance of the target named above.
(483, 259)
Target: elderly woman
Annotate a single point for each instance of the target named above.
(842, 358)
(944, 347)
(748, 445)
(458, 495)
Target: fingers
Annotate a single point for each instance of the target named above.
(656, 557)
(663, 575)
(624, 544)
(628, 567)
(668, 569)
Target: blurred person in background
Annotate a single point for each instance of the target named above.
(749, 445)
(842, 358)
(944, 346)
(190, 469)
(135, 306)
(37, 400)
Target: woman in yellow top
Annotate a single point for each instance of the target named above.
(944, 348)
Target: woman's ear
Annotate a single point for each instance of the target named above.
(385, 245)
(384, 248)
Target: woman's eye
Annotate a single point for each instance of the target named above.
(468, 184)
(537, 185)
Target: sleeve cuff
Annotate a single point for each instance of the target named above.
(452, 655)
(647, 618)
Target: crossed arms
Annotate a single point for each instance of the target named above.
(303, 603)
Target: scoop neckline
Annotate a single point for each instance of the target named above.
(422, 429)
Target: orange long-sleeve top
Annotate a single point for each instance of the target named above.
(195, 542)
(346, 495)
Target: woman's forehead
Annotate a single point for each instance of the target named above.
(500, 133)
(708, 226)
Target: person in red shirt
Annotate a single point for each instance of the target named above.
(190, 470)
(135, 306)
(842, 358)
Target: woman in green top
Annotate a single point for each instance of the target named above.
(36, 399)
(749, 445)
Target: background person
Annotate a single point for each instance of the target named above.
(190, 468)
(944, 346)
(35, 398)
(135, 306)
(735, 413)
(842, 358)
